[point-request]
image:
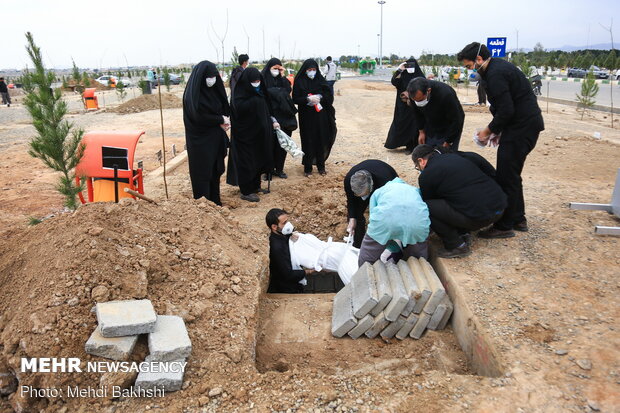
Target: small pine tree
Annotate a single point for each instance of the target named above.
(129, 74)
(85, 79)
(120, 89)
(182, 78)
(235, 57)
(166, 77)
(76, 73)
(65, 84)
(589, 90)
(57, 143)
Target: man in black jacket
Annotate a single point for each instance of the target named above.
(244, 59)
(359, 183)
(517, 117)
(460, 197)
(439, 114)
(282, 277)
(4, 91)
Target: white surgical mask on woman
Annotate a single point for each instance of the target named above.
(211, 81)
(410, 69)
(274, 72)
(255, 84)
(288, 228)
(311, 73)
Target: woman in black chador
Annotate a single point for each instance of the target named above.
(404, 131)
(206, 117)
(251, 150)
(317, 116)
(279, 89)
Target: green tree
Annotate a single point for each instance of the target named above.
(65, 85)
(166, 79)
(538, 55)
(611, 61)
(562, 61)
(76, 73)
(57, 143)
(120, 90)
(235, 57)
(85, 79)
(589, 90)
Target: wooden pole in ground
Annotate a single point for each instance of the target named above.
(163, 139)
(139, 195)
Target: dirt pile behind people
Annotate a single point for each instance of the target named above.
(148, 102)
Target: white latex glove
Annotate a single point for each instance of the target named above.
(352, 225)
(276, 125)
(226, 120)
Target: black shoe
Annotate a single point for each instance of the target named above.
(467, 238)
(263, 191)
(281, 175)
(250, 198)
(322, 172)
(492, 233)
(458, 252)
(521, 226)
(307, 174)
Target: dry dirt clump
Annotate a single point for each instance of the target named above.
(188, 257)
(148, 102)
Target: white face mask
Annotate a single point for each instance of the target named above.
(424, 102)
(311, 73)
(410, 69)
(288, 228)
(211, 81)
(274, 72)
(255, 84)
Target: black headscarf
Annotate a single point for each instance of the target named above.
(244, 89)
(277, 81)
(418, 72)
(198, 98)
(314, 86)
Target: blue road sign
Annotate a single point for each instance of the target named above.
(497, 46)
(352, 60)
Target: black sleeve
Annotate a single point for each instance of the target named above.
(456, 116)
(427, 185)
(498, 89)
(299, 96)
(396, 79)
(280, 260)
(419, 117)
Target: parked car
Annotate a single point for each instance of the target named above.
(105, 80)
(457, 73)
(578, 72)
(174, 79)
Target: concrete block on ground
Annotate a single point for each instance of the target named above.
(384, 291)
(420, 326)
(126, 318)
(364, 291)
(170, 340)
(393, 328)
(362, 326)
(399, 296)
(420, 279)
(343, 319)
(439, 292)
(440, 313)
(167, 380)
(380, 322)
(115, 348)
(444, 320)
(410, 322)
(411, 287)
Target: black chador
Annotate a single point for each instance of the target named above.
(251, 151)
(403, 131)
(317, 122)
(204, 107)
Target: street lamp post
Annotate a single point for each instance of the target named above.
(381, 2)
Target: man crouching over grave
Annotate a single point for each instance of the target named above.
(399, 222)
(283, 278)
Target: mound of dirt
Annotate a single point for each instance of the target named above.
(188, 257)
(148, 102)
(475, 109)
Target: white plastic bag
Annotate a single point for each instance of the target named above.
(493, 141)
(288, 144)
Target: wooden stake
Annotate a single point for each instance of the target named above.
(163, 139)
(139, 195)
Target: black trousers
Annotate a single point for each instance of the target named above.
(511, 155)
(435, 141)
(250, 187)
(482, 94)
(449, 223)
(360, 231)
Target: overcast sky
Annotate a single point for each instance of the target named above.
(104, 34)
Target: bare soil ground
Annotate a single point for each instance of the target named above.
(547, 298)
